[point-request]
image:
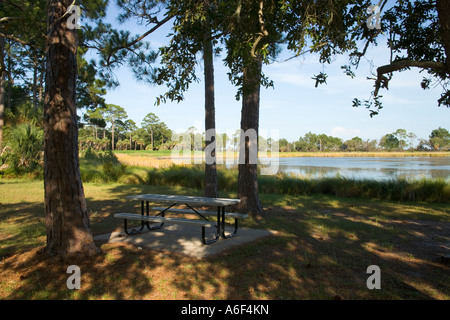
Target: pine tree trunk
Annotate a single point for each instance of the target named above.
(35, 84)
(67, 220)
(443, 8)
(151, 138)
(112, 136)
(2, 89)
(210, 188)
(41, 81)
(247, 178)
(9, 83)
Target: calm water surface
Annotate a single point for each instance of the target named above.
(368, 167)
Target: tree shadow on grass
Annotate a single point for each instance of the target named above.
(116, 273)
(22, 226)
(300, 264)
(319, 251)
(304, 262)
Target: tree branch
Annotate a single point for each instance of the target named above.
(382, 81)
(263, 30)
(13, 38)
(128, 45)
(159, 24)
(307, 51)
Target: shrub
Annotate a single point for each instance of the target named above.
(100, 166)
(26, 143)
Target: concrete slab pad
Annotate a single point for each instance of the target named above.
(185, 239)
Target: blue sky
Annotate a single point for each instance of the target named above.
(294, 106)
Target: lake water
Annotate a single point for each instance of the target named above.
(368, 167)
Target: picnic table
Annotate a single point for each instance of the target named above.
(158, 214)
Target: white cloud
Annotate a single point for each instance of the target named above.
(344, 133)
(294, 79)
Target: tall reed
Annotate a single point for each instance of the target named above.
(107, 168)
(424, 189)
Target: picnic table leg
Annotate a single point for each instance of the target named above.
(134, 231)
(149, 223)
(208, 241)
(225, 236)
(217, 231)
(218, 219)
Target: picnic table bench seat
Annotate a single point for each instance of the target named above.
(132, 216)
(158, 215)
(203, 212)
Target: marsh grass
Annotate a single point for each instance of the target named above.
(423, 189)
(143, 161)
(134, 167)
(192, 176)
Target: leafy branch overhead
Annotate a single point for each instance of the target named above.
(417, 35)
(116, 48)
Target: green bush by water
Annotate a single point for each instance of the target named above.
(428, 190)
(100, 167)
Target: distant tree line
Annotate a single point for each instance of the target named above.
(400, 140)
(98, 132)
(108, 128)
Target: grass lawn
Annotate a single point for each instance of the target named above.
(321, 250)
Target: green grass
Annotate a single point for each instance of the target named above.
(109, 169)
(327, 231)
(422, 190)
(321, 249)
(105, 168)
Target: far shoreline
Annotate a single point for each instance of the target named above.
(362, 154)
(167, 154)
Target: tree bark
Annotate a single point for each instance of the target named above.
(151, 137)
(247, 177)
(2, 89)
(112, 136)
(443, 8)
(41, 82)
(35, 83)
(210, 188)
(9, 83)
(67, 220)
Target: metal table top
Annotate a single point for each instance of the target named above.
(190, 200)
